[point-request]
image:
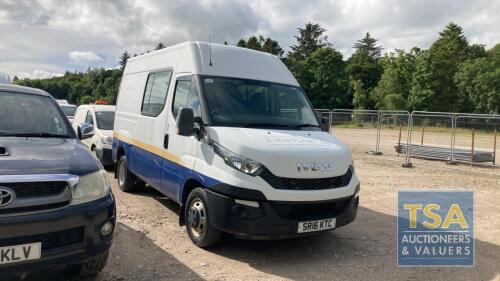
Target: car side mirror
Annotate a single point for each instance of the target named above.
(325, 124)
(85, 131)
(185, 122)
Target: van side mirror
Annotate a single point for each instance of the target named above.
(325, 124)
(185, 122)
(85, 131)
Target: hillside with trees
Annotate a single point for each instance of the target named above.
(452, 75)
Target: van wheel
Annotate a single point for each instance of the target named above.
(197, 220)
(91, 267)
(126, 179)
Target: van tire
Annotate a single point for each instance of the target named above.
(91, 267)
(126, 179)
(203, 235)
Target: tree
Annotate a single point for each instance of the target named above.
(15, 78)
(445, 56)
(326, 81)
(123, 60)
(159, 46)
(360, 96)
(478, 82)
(262, 44)
(369, 44)
(310, 38)
(393, 89)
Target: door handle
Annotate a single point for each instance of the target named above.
(165, 142)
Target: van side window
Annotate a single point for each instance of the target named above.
(89, 118)
(186, 95)
(155, 93)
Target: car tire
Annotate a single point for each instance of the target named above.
(91, 267)
(198, 222)
(127, 181)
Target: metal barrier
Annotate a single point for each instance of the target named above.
(444, 130)
(369, 119)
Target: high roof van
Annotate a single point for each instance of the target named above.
(229, 134)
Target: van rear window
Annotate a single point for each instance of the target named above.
(155, 93)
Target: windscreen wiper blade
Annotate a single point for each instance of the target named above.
(306, 125)
(253, 125)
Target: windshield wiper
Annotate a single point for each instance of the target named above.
(306, 125)
(253, 125)
(38, 135)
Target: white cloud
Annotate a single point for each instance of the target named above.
(84, 57)
(55, 33)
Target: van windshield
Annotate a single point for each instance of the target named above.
(105, 119)
(68, 110)
(250, 103)
(25, 115)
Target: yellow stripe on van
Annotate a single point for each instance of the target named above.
(150, 148)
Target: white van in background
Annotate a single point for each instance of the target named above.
(102, 117)
(228, 134)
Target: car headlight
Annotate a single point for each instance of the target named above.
(236, 161)
(106, 140)
(90, 187)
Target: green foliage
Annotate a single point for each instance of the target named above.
(325, 79)
(262, 44)
(123, 59)
(310, 38)
(369, 45)
(80, 88)
(393, 89)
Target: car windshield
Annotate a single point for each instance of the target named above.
(105, 120)
(26, 115)
(257, 104)
(68, 110)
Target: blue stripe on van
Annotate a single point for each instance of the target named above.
(164, 175)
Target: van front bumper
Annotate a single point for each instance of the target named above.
(105, 156)
(68, 236)
(276, 219)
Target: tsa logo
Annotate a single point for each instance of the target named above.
(436, 228)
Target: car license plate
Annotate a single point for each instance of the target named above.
(310, 226)
(18, 253)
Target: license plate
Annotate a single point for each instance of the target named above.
(19, 253)
(310, 226)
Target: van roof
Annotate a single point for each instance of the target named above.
(99, 107)
(23, 90)
(214, 60)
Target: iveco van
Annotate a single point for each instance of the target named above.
(56, 206)
(229, 135)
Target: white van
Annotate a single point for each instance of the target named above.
(228, 134)
(102, 117)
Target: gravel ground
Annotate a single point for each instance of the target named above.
(150, 245)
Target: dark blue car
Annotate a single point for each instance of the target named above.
(56, 206)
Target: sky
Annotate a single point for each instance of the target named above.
(44, 38)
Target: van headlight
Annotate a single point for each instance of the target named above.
(90, 187)
(106, 140)
(236, 161)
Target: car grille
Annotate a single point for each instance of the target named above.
(36, 196)
(36, 189)
(299, 211)
(52, 240)
(306, 184)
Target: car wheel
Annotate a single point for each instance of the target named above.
(197, 220)
(91, 267)
(126, 179)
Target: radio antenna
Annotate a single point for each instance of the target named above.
(210, 49)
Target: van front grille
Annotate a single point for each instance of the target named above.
(306, 184)
(300, 211)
